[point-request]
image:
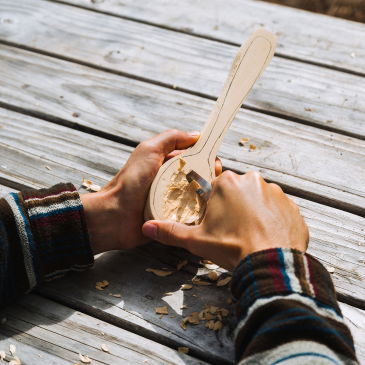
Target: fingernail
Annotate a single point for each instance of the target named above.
(150, 230)
(194, 133)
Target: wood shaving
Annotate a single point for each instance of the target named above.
(181, 264)
(308, 109)
(184, 306)
(330, 269)
(15, 361)
(12, 349)
(252, 147)
(47, 167)
(213, 275)
(84, 359)
(90, 186)
(115, 295)
(213, 309)
(159, 272)
(101, 285)
(162, 310)
(193, 318)
(224, 312)
(242, 141)
(2, 355)
(186, 286)
(182, 349)
(198, 281)
(183, 323)
(209, 264)
(169, 293)
(224, 281)
(217, 326)
(105, 348)
(210, 324)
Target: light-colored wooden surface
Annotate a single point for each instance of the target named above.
(287, 152)
(154, 54)
(45, 332)
(98, 82)
(326, 41)
(34, 164)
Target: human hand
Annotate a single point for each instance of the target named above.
(244, 214)
(114, 215)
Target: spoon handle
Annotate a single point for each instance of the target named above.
(251, 60)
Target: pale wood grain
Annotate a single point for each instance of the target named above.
(305, 160)
(303, 35)
(40, 154)
(314, 95)
(45, 332)
(5, 189)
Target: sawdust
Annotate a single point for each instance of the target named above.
(181, 202)
(84, 359)
(101, 285)
(162, 310)
(186, 287)
(105, 348)
(183, 350)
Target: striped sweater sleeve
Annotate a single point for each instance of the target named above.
(287, 311)
(43, 235)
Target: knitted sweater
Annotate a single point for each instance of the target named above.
(286, 304)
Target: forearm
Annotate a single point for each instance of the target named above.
(42, 236)
(287, 309)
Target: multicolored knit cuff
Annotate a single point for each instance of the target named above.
(281, 272)
(57, 232)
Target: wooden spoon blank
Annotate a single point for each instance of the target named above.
(251, 60)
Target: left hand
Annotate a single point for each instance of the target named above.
(114, 215)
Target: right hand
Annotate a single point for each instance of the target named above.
(244, 215)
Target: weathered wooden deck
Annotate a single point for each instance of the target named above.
(82, 82)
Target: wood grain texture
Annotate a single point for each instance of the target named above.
(314, 95)
(5, 189)
(304, 160)
(45, 332)
(40, 154)
(326, 40)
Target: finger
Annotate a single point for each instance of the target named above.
(168, 141)
(173, 154)
(218, 166)
(167, 232)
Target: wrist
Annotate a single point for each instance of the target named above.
(99, 221)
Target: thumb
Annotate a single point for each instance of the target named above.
(167, 232)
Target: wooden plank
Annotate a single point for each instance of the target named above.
(45, 332)
(312, 94)
(5, 189)
(304, 160)
(327, 41)
(41, 154)
(141, 296)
